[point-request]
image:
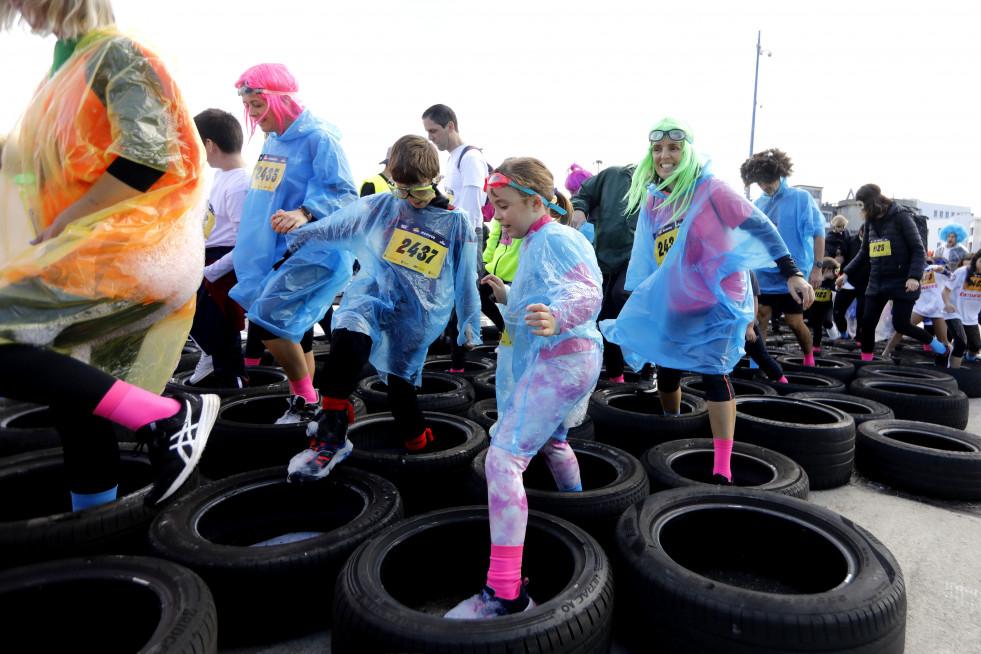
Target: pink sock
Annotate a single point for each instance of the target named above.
(816, 349)
(132, 407)
(305, 388)
(723, 453)
(926, 348)
(455, 370)
(784, 380)
(253, 362)
(504, 575)
(617, 379)
(809, 359)
(867, 357)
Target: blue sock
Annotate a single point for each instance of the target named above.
(672, 414)
(577, 487)
(85, 500)
(753, 365)
(937, 346)
(969, 357)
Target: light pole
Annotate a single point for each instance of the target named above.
(598, 164)
(756, 83)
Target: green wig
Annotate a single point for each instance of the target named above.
(682, 179)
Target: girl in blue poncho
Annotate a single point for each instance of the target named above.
(302, 176)
(696, 239)
(544, 379)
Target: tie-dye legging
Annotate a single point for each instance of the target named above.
(531, 421)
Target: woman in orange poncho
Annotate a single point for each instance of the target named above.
(101, 248)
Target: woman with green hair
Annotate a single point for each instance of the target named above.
(695, 242)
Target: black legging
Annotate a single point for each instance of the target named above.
(614, 297)
(901, 311)
(73, 390)
(339, 377)
(843, 300)
(757, 352)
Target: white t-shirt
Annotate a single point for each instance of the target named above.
(965, 295)
(464, 184)
(930, 304)
(225, 203)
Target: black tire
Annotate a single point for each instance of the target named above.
(861, 409)
(742, 369)
(40, 525)
(912, 374)
(245, 436)
(819, 438)
(692, 384)
(473, 365)
(828, 366)
(115, 604)
(916, 400)
(393, 591)
(267, 591)
(691, 596)
(27, 427)
(190, 355)
(433, 479)
(688, 463)
(441, 392)
(921, 457)
(798, 382)
(484, 413)
(262, 380)
(483, 385)
(612, 481)
(487, 350)
(635, 422)
(968, 375)
(853, 357)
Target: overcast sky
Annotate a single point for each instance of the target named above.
(854, 92)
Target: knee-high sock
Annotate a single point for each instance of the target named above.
(723, 454)
(132, 407)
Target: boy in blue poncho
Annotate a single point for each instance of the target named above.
(801, 226)
(416, 255)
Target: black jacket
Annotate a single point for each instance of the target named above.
(895, 233)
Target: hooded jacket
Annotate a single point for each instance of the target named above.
(894, 253)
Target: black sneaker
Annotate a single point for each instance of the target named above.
(328, 447)
(720, 480)
(647, 383)
(485, 605)
(175, 444)
(299, 410)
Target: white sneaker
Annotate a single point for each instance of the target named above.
(299, 410)
(205, 367)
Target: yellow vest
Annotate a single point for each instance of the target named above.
(381, 186)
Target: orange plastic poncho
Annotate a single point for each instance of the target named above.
(117, 287)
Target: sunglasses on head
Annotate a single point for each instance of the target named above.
(418, 192)
(245, 89)
(497, 180)
(673, 134)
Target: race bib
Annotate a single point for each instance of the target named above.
(822, 295)
(209, 221)
(268, 172)
(972, 283)
(928, 278)
(663, 240)
(416, 249)
(505, 339)
(880, 247)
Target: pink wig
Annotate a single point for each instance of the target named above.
(577, 176)
(277, 86)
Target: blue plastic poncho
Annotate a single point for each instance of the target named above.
(798, 220)
(692, 307)
(556, 267)
(413, 262)
(305, 166)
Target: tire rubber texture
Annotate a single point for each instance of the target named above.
(916, 400)
(273, 591)
(393, 591)
(245, 436)
(921, 457)
(484, 413)
(473, 365)
(116, 604)
(828, 366)
(692, 384)
(612, 481)
(688, 463)
(819, 438)
(968, 375)
(798, 382)
(262, 380)
(861, 409)
(40, 525)
(27, 427)
(483, 385)
(635, 422)
(753, 595)
(433, 478)
(440, 391)
(853, 357)
(912, 374)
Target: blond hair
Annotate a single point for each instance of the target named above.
(66, 19)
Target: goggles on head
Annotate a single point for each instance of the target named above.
(673, 134)
(418, 192)
(248, 90)
(497, 180)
